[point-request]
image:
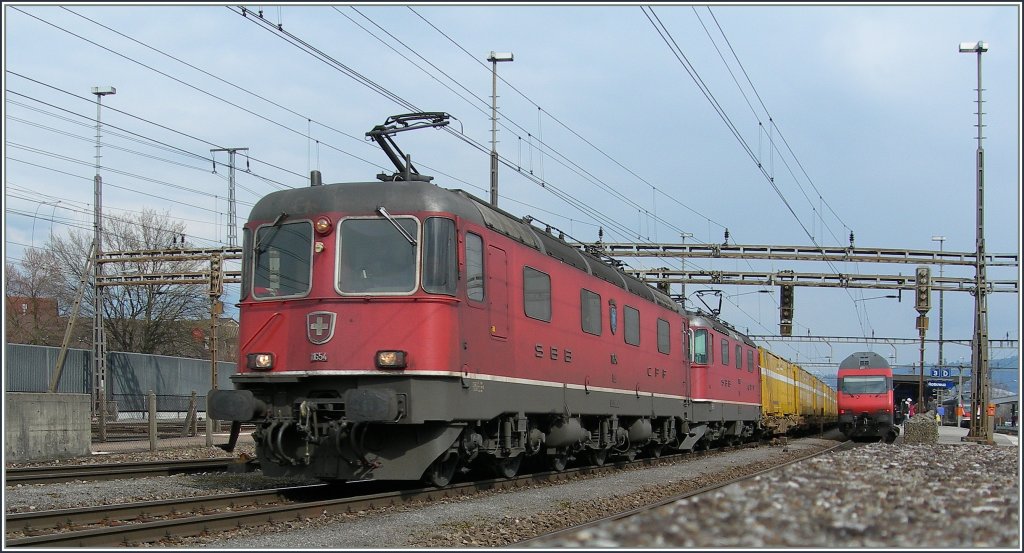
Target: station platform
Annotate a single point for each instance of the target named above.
(953, 435)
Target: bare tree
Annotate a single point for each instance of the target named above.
(32, 315)
(154, 318)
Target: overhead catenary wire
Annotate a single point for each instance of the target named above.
(540, 109)
(669, 40)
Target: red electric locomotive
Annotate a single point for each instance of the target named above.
(397, 330)
(865, 399)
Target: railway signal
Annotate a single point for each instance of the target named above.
(786, 310)
(923, 289)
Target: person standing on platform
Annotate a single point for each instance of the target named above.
(913, 409)
(940, 412)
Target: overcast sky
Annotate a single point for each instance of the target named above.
(786, 125)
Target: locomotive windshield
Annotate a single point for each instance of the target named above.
(864, 385)
(375, 258)
(283, 255)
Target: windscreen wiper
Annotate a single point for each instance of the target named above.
(277, 226)
(383, 211)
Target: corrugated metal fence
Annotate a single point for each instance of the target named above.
(130, 376)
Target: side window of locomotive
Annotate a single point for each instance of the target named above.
(440, 256)
(376, 258)
(246, 262)
(590, 312)
(725, 352)
(664, 343)
(474, 267)
(283, 257)
(750, 360)
(631, 323)
(700, 346)
(537, 294)
(739, 356)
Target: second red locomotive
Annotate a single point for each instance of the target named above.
(865, 398)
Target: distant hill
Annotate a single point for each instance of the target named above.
(1005, 374)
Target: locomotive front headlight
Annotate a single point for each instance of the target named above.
(390, 359)
(260, 361)
(323, 225)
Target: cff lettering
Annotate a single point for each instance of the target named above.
(655, 372)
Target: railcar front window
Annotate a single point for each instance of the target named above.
(375, 258)
(283, 260)
(864, 385)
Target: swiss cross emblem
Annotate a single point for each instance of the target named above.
(320, 326)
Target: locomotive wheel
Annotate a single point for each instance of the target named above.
(598, 457)
(441, 471)
(507, 467)
(558, 462)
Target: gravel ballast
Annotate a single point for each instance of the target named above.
(899, 495)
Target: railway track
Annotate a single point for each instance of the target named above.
(113, 471)
(155, 521)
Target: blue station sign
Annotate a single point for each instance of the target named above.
(939, 383)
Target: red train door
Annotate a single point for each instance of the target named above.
(497, 286)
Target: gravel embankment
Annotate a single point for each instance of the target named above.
(903, 495)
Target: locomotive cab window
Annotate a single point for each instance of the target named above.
(725, 352)
(283, 258)
(375, 257)
(739, 356)
(865, 384)
(440, 257)
(246, 262)
(590, 312)
(537, 294)
(750, 360)
(474, 267)
(700, 350)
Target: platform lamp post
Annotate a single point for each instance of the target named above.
(99, 339)
(981, 425)
(494, 58)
